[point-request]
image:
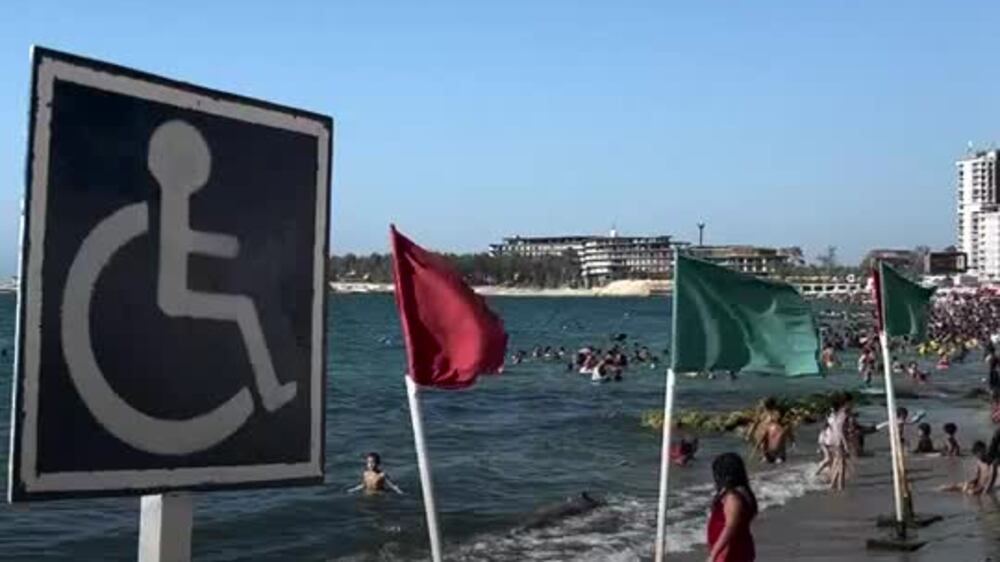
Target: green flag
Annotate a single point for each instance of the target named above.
(903, 303)
(724, 320)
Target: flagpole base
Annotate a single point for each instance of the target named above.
(894, 545)
(912, 522)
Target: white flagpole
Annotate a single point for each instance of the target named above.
(897, 454)
(424, 465)
(668, 418)
(661, 510)
(890, 405)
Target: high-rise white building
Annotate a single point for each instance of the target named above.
(979, 212)
(989, 246)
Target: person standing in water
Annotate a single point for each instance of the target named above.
(836, 424)
(866, 365)
(733, 509)
(374, 480)
(772, 437)
(992, 367)
(983, 476)
(951, 447)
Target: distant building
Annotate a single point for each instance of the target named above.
(988, 247)
(749, 259)
(610, 257)
(606, 258)
(601, 258)
(819, 286)
(539, 246)
(900, 259)
(978, 210)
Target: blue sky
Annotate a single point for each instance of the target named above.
(776, 122)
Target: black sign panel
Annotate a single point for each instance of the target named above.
(171, 313)
(944, 263)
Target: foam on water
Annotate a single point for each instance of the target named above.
(624, 529)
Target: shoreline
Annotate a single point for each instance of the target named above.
(623, 288)
(824, 526)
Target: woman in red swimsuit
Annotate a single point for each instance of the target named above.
(734, 507)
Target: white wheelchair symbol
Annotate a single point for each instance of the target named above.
(180, 161)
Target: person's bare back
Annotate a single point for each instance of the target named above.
(776, 439)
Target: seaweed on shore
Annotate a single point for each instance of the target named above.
(793, 411)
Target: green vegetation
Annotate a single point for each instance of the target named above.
(478, 269)
(794, 412)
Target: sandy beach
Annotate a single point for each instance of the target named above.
(622, 288)
(835, 526)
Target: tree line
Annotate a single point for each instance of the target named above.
(477, 269)
(564, 270)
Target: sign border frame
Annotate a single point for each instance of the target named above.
(25, 482)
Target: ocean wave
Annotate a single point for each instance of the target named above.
(624, 529)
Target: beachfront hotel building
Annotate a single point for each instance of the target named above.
(602, 258)
(900, 259)
(978, 224)
(540, 246)
(610, 257)
(606, 258)
(749, 259)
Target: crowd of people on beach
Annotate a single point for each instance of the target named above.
(960, 325)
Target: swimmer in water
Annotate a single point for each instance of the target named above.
(772, 437)
(951, 447)
(374, 480)
(829, 357)
(983, 478)
(776, 440)
(925, 445)
(915, 373)
(683, 452)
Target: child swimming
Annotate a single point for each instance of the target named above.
(983, 477)
(373, 479)
(951, 448)
(924, 443)
(683, 452)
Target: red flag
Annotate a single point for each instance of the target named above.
(451, 335)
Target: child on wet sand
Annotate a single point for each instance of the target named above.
(826, 446)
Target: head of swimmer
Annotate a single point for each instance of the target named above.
(373, 462)
(980, 451)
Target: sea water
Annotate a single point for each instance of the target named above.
(529, 438)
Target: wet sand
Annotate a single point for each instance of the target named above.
(835, 526)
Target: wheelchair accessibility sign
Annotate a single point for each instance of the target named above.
(171, 319)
